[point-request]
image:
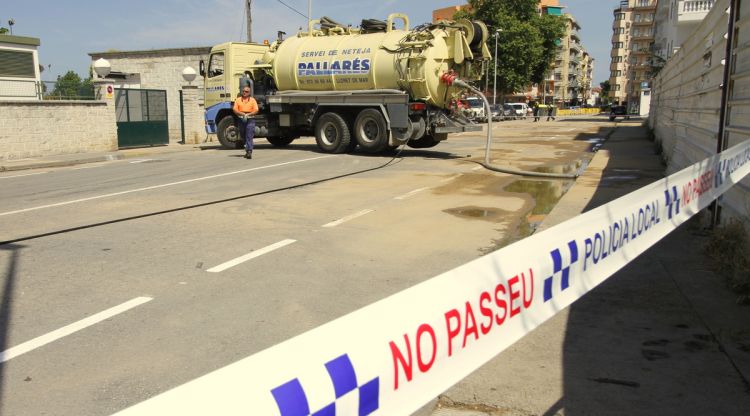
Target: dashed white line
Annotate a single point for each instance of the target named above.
(348, 218)
(148, 188)
(410, 194)
(249, 256)
(69, 329)
(25, 174)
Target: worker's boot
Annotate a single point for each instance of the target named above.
(249, 154)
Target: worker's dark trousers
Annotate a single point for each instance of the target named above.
(248, 129)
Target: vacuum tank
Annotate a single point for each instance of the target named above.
(336, 58)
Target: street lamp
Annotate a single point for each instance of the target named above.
(11, 22)
(494, 82)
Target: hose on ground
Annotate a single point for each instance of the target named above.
(460, 83)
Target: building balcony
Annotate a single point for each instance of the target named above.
(643, 37)
(645, 22)
(689, 11)
(575, 46)
(645, 4)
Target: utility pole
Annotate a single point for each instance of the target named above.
(249, 14)
(309, 12)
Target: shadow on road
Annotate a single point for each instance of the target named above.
(635, 344)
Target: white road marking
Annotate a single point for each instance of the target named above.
(250, 256)
(141, 160)
(25, 174)
(410, 194)
(348, 218)
(69, 329)
(148, 188)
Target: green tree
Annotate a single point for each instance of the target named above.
(526, 42)
(3, 30)
(67, 85)
(71, 85)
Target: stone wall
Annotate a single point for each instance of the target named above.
(161, 69)
(43, 128)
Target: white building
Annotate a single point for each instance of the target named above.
(19, 68)
(676, 20)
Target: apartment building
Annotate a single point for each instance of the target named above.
(573, 68)
(676, 20)
(632, 62)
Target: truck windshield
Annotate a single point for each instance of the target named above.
(475, 103)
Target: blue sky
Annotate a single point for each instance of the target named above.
(70, 30)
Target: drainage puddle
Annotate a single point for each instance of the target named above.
(478, 213)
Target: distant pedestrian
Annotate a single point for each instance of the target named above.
(536, 111)
(550, 112)
(245, 107)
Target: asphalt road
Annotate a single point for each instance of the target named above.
(123, 279)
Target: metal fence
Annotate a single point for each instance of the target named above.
(43, 90)
(687, 98)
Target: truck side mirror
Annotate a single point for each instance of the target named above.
(202, 68)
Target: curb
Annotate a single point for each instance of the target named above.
(83, 158)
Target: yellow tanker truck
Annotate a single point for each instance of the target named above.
(375, 86)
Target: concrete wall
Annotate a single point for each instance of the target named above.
(161, 69)
(686, 101)
(43, 128)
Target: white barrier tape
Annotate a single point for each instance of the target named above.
(392, 357)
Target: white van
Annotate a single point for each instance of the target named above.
(521, 109)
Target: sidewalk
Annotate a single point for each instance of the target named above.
(663, 336)
(81, 158)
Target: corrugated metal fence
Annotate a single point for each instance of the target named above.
(686, 100)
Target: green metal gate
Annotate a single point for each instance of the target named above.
(141, 117)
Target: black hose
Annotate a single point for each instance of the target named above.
(373, 26)
(328, 23)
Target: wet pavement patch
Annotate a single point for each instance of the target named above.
(545, 193)
(478, 213)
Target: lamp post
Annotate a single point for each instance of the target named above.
(494, 82)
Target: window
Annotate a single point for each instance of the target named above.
(616, 45)
(615, 74)
(216, 65)
(17, 64)
(616, 87)
(619, 16)
(616, 59)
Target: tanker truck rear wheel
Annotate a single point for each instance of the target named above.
(371, 131)
(229, 134)
(332, 133)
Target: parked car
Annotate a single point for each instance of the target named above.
(521, 109)
(474, 109)
(618, 111)
(509, 112)
(496, 111)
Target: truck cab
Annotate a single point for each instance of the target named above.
(227, 65)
